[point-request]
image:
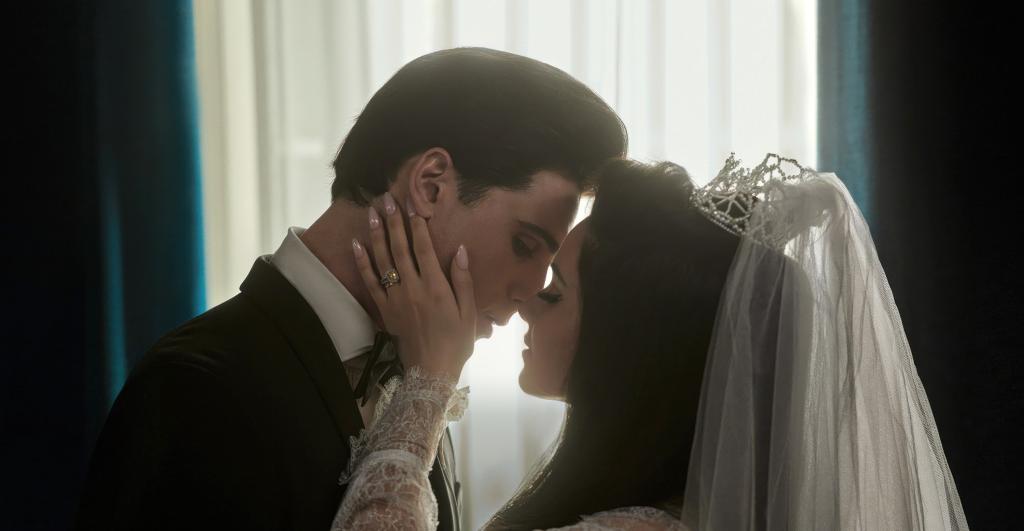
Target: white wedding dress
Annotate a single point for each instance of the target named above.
(387, 476)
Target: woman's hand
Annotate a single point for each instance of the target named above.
(434, 321)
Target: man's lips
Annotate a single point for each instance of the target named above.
(489, 330)
(498, 322)
(492, 322)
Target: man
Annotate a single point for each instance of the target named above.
(241, 418)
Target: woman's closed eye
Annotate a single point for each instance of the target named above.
(550, 297)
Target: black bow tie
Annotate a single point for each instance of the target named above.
(384, 370)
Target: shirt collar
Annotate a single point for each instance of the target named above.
(349, 326)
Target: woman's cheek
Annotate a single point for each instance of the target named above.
(546, 370)
(561, 361)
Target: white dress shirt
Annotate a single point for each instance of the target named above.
(350, 328)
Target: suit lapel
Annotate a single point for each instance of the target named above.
(311, 344)
(309, 341)
(444, 466)
(447, 511)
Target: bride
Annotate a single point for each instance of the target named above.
(730, 357)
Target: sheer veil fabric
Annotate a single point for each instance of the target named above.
(812, 414)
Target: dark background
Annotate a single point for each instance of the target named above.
(945, 194)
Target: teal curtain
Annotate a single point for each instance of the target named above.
(844, 73)
(149, 173)
(918, 117)
(107, 242)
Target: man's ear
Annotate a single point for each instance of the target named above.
(432, 182)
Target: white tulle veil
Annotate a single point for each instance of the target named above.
(812, 415)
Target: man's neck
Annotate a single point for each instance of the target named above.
(329, 238)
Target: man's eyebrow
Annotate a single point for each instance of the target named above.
(558, 273)
(549, 240)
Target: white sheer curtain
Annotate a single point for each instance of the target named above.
(281, 82)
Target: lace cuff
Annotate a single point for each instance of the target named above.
(389, 463)
(411, 415)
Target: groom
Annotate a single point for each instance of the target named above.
(241, 417)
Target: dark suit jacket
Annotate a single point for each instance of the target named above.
(239, 419)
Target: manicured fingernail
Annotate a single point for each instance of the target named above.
(356, 248)
(389, 203)
(408, 208)
(461, 258)
(374, 218)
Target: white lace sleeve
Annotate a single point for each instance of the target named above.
(388, 487)
(628, 519)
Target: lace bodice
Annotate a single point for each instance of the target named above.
(630, 519)
(387, 475)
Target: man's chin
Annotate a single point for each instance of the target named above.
(484, 328)
(484, 332)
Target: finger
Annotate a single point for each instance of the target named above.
(423, 247)
(379, 244)
(462, 285)
(366, 271)
(395, 222)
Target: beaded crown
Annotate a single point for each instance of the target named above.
(730, 198)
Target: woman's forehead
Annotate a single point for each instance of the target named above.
(569, 254)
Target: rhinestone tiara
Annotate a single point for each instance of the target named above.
(729, 199)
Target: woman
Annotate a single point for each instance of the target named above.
(730, 358)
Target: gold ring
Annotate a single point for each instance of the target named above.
(390, 278)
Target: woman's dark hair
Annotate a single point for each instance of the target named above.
(502, 117)
(652, 269)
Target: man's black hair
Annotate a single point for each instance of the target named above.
(502, 117)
